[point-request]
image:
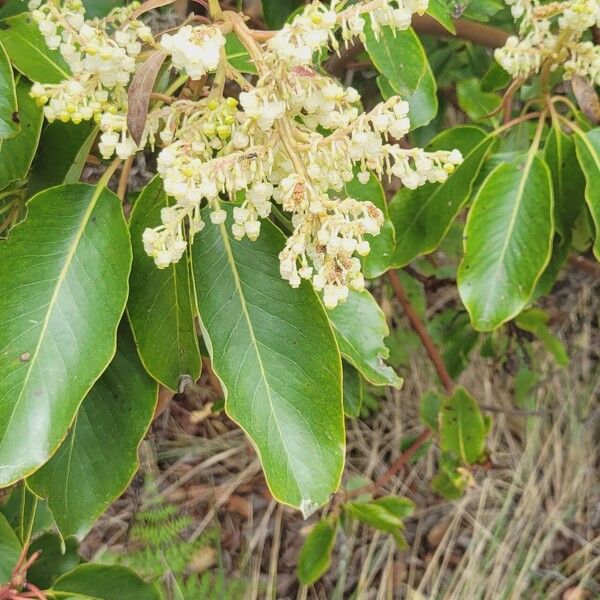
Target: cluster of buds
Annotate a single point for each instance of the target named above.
(101, 55)
(292, 137)
(552, 34)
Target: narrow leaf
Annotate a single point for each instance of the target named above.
(588, 152)
(104, 582)
(160, 305)
(9, 119)
(315, 556)
(138, 95)
(441, 11)
(63, 287)
(462, 427)
(422, 217)
(16, 153)
(98, 458)
(508, 241)
(263, 337)
(360, 328)
(237, 55)
(28, 52)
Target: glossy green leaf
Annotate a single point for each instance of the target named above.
(9, 120)
(315, 556)
(16, 153)
(353, 390)
(462, 427)
(377, 262)
(63, 288)
(422, 217)
(508, 240)
(98, 458)
(588, 152)
(61, 156)
(160, 305)
(475, 102)
(567, 178)
(103, 582)
(363, 346)
(398, 55)
(423, 102)
(262, 336)
(276, 12)
(10, 549)
(237, 55)
(28, 52)
(53, 561)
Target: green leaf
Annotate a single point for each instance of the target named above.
(378, 516)
(53, 560)
(397, 506)
(422, 217)
(98, 458)
(16, 153)
(535, 321)
(160, 305)
(315, 556)
(462, 427)
(495, 78)
(28, 52)
(377, 262)
(237, 55)
(263, 337)
(567, 178)
(10, 549)
(276, 12)
(13, 7)
(449, 485)
(24, 510)
(100, 8)
(476, 103)
(63, 288)
(61, 156)
(508, 240)
(429, 409)
(441, 11)
(353, 390)
(398, 55)
(363, 346)
(588, 152)
(9, 121)
(103, 582)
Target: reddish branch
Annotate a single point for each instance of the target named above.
(18, 587)
(421, 331)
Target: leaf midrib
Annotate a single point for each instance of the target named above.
(254, 343)
(53, 300)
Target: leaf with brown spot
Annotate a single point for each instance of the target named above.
(587, 98)
(139, 94)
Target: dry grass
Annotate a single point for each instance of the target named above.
(528, 528)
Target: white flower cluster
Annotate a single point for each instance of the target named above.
(195, 50)
(294, 138)
(552, 33)
(313, 29)
(101, 55)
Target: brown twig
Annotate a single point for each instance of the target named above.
(124, 178)
(421, 331)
